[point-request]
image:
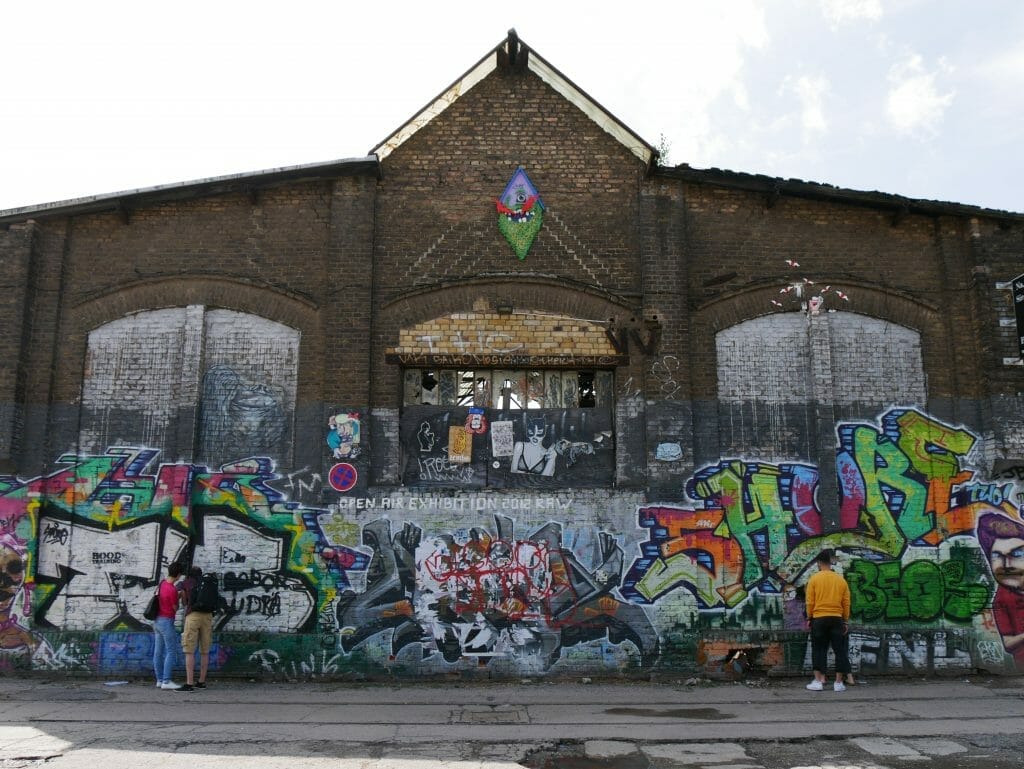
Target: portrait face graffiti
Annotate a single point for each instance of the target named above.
(12, 576)
(240, 417)
(1002, 541)
(1007, 562)
(532, 456)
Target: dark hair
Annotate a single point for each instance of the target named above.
(992, 526)
(195, 572)
(825, 556)
(174, 570)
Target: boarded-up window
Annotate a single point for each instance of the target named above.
(209, 385)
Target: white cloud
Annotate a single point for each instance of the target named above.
(706, 74)
(914, 103)
(1003, 66)
(838, 12)
(811, 92)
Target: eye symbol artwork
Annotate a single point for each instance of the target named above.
(520, 213)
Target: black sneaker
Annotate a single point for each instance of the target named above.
(186, 688)
(201, 685)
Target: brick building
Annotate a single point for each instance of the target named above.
(507, 397)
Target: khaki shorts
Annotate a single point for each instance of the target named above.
(198, 630)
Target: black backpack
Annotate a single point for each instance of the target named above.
(205, 596)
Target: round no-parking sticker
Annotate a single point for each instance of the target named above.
(343, 477)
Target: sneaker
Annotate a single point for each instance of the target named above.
(159, 684)
(201, 685)
(840, 686)
(815, 686)
(170, 685)
(186, 688)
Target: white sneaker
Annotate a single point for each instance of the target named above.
(815, 686)
(840, 686)
(159, 684)
(170, 685)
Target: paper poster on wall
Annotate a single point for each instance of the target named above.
(460, 445)
(501, 439)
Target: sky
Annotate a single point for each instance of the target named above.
(920, 98)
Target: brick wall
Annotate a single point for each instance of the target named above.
(747, 434)
(15, 258)
(520, 332)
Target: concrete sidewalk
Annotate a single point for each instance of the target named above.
(45, 718)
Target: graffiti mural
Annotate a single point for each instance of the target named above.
(486, 594)
(240, 417)
(933, 553)
(922, 538)
(14, 636)
(520, 212)
(106, 530)
(106, 526)
(1002, 541)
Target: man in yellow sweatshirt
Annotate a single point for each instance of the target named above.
(828, 611)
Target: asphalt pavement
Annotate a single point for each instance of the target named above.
(564, 724)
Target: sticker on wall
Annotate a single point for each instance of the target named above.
(520, 213)
(669, 452)
(476, 422)
(501, 439)
(460, 445)
(343, 477)
(343, 435)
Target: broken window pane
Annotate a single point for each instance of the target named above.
(508, 389)
(449, 387)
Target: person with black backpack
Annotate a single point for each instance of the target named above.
(202, 600)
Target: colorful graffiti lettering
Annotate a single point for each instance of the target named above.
(106, 529)
(907, 514)
(921, 591)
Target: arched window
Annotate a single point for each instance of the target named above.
(773, 369)
(207, 384)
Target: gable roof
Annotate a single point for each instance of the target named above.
(513, 53)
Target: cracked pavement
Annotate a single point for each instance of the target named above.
(561, 724)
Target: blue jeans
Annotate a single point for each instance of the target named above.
(166, 645)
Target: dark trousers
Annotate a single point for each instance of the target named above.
(825, 632)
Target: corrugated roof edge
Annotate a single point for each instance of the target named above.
(776, 186)
(232, 183)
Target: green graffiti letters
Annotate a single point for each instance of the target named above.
(922, 591)
(752, 505)
(890, 494)
(934, 451)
